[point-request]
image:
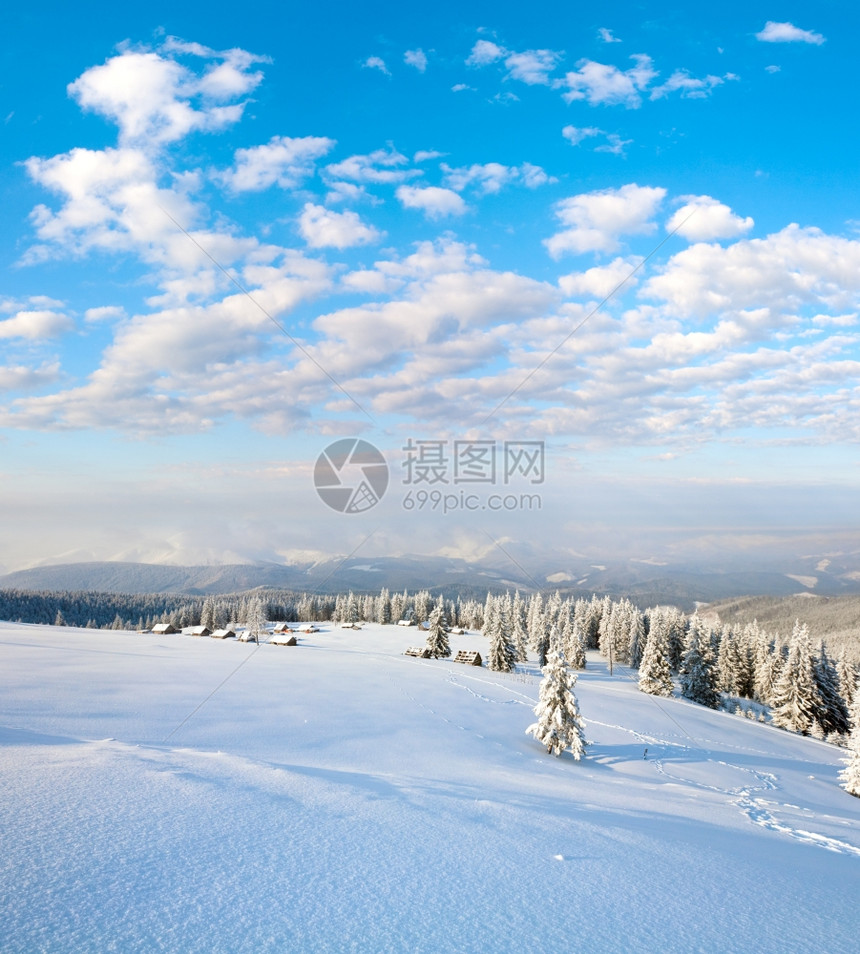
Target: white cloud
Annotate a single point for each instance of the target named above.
(702, 219)
(600, 281)
(788, 33)
(492, 177)
(532, 66)
(773, 69)
(180, 368)
(614, 145)
(416, 58)
(344, 192)
(8, 305)
(35, 325)
(382, 166)
(283, 161)
(529, 66)
(689, 86)
(370, 281)
(594, 221)
(612, 142)
(154, 99)
(435, 202)
(111, 201)
(485, 52)
(23, 378)
(781, 273)
(104, 313)
(321, 228)
(603, 84)
(576, 134)
(446, 295)
(835, 321)
(607, 36)
(376, 63)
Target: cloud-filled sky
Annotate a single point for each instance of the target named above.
(229, 241)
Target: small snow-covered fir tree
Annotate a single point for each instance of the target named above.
(768, 675)
(351, 611)
(833, 714)
(256, 620)
(847, 673)
(383, 608)
(850, 775)
(796, 703)
(574, 644)
(559, 725)
(655, 676)
(520, 633)
(728, 661)
(698, 672)
(535, 623)
(502, 655)
(636, 639)
(207, 614)
(437, 635)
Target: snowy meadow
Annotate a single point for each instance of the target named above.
(171, 793)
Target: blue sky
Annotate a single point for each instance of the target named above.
(430, 206)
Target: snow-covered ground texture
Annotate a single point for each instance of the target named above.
(167, 793)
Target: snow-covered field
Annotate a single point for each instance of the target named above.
(179, 794)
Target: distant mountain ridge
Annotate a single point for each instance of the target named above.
(644, 583)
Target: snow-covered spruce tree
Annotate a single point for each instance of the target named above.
(535, 624)
(833, 714)
(727, 662)
(848, 676)
(607, 633)
(383, 608)
(850, 775)
(421, 602)
(698, 672)
(655, 676)
(255, 619)
(544, 642)
(745, 665)
(594, 614)
(207, 614)
(437, 635)
(768, 676)
(559, 725)
(351, 610)
(636, 639)
(502, 655)
(796, 704)
(618, 629)
(520, 633)
(574, 644)
(676, 634)
(489, 612)
(763, 682)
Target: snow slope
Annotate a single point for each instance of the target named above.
(184, 795)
